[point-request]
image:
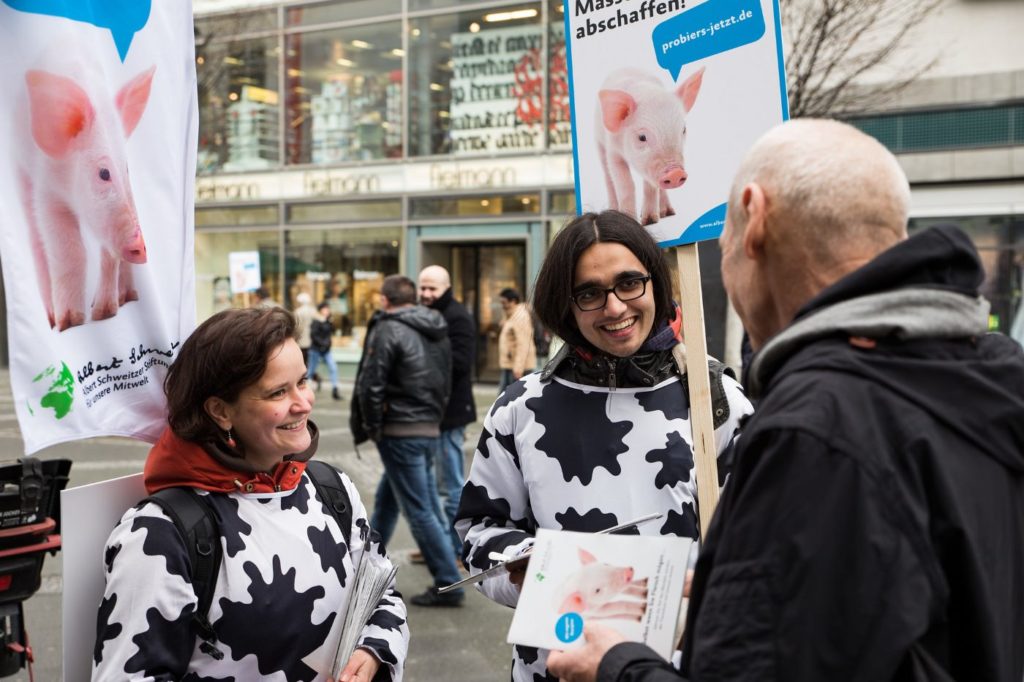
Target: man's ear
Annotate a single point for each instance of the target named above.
(219, 412)
(755, 205)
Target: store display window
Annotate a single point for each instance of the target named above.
(344, 267)
(477, 82)
(344, 94)
(483, 206)
(239, 102)
(218, 287)
(340, 10)
(559, 115)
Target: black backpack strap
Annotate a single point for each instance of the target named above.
(332, 493)
(197, 525)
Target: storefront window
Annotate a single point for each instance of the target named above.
(346, 268)
(345, 211)
(344, 94)
(1000, 243)
(214, 290)
(559, 116)
(465, 207)
(477, 82)
(238, 102)
(341, 10)
(236, 216)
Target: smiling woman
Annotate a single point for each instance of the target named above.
(601, 436)
(239, 436)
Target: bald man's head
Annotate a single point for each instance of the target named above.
(434, 281)
(831, 187)
(812, 201)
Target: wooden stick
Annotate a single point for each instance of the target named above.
(705, 453)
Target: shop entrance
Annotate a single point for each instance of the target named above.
(479, 272)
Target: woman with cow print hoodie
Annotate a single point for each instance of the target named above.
(239, 435)
(602, 435)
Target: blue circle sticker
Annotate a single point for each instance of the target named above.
(569, 627)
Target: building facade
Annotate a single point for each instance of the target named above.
(345, 140)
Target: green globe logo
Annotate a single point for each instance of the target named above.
(60, 394)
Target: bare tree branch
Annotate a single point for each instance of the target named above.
(832, 45)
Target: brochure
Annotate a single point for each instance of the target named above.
(371, 582)
(576, 578)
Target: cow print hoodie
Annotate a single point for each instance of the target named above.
(589, 443)
(285, 574)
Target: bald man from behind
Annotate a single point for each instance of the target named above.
(873, 525)
(435, 289)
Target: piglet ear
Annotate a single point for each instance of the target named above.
(687, 92)
(572, 603)
(132, 98)
(616, 107)
(585, 556)
(61, 111)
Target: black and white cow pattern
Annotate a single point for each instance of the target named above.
(562, 455)
(285, 574)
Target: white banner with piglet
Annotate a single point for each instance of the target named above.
(97, 166)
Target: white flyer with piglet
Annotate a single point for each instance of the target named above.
(667, 96)
(631, 583)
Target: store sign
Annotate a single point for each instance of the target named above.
(392, 179)
(244, 268)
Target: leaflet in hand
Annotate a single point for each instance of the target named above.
(631, 583)
(371, 582)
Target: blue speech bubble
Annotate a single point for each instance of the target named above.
(711, 28)
(124, 18)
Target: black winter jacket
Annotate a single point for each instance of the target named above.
(404, 376)
(461, 406)
(320, 333)
(873, 527)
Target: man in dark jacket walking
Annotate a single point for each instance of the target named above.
(402, 388)
(436, 292)
(873, 525)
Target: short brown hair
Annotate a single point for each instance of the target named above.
(224, 355)
(399, 290)
(552, 293)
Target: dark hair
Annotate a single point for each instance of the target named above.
(224, 355)
(323, 304)
(510, 294)
(552, 293)
(399, 290)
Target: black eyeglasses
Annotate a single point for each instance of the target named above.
(595, 298)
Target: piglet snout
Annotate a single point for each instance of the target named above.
(673, 177)
(135, 250)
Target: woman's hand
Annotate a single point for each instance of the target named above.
(580, 664)
(360, 668)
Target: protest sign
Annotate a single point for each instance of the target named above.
(97, 166)
(89, 513)
(667, 96)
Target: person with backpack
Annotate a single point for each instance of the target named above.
(238, 503)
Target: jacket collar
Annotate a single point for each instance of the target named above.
(215, 467)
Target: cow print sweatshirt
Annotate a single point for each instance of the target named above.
(559, 453)
(285, 575)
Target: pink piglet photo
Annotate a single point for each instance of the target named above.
(73, 176)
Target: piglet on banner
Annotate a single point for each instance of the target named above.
(97, 165)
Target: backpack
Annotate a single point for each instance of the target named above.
(197, 525)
